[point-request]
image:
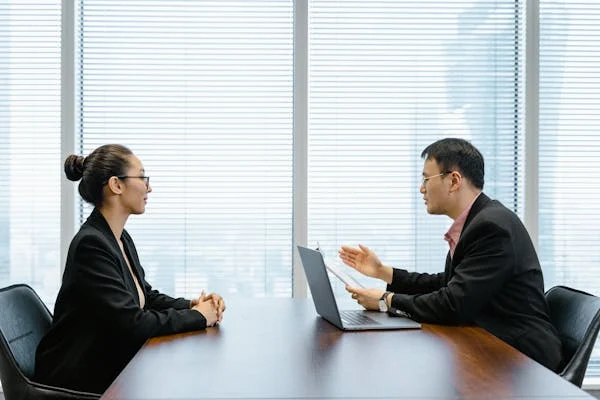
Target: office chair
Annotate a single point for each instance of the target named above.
(576, 316)
(24, 319)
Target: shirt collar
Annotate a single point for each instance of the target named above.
(457, 226)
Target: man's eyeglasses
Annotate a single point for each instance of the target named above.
(426, 178)
(145, 178)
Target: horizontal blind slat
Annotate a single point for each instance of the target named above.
(202, 92)
(569, 147)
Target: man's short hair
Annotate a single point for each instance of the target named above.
(457, 154)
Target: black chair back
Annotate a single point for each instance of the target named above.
(576, 316)
(24, 320)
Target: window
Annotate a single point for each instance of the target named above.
(29, 175)
(569, 147)
(386, 79)
(204, 97)
(201, 91)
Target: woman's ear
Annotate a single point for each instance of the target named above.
(115, 185)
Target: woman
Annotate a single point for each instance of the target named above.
(105, 309)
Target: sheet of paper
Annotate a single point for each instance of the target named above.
(342, 275)
(338, 270)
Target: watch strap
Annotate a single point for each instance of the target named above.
(384, 299)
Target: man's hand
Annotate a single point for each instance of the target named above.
(368, 298)
(365, 261)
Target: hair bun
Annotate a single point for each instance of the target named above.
(74, 167)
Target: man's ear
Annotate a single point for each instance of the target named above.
(115, 185)
(457, 180)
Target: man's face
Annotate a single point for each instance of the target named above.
(435, 188)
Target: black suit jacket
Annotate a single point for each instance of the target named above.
(494, 280)
(98, 324)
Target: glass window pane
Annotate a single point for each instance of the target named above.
(202, 93)
(30, 175)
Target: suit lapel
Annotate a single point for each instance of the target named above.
(97, 219)
(449, 270)
(477, 206)
(133, 259)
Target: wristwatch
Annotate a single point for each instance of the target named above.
(383, 307)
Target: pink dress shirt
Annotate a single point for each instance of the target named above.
(456, 228)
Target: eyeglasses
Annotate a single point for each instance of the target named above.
(145, 178)
(426, 178)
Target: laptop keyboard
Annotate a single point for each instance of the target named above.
(350, 317)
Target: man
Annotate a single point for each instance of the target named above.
(492, 277)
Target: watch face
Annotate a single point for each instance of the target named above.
(382, 305)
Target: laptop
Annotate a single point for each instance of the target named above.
(326, 306)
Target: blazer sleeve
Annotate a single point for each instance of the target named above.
(487, 265)
(160, 301)
(414, 282)
(99, 279)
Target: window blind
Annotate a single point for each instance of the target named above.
(387, 78)
(30, 175)
(569, 180)
(201, 91)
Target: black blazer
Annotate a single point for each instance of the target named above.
(98, 324)
(494, 281)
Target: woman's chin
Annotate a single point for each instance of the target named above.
(139, 211)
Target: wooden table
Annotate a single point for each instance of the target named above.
(281, 349)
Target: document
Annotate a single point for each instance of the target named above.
(343, 275)
(339, 272)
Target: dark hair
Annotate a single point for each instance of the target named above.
(95, 169)
(457, 154)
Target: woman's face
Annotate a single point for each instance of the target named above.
(137, 187)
